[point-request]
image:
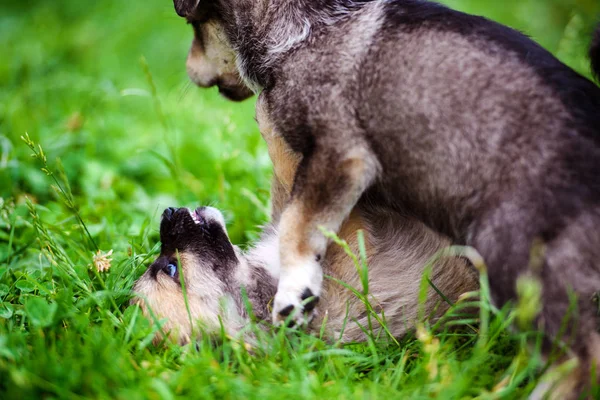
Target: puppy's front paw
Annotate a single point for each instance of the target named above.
(297, 294)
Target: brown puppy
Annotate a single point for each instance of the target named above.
(406, 104)
(215, 271)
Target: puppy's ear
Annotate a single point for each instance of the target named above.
(185, 8)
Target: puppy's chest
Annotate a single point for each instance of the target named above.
(290, 125)
(285, 159)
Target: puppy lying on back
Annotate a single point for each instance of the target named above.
(214, 272)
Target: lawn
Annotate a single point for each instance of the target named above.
(99, 132)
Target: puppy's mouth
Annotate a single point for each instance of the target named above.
(197, 216)
(207, 215)
(233, 93)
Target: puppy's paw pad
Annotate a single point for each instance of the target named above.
(298, 293)
(288, 315)
(286, 311)
(309, 300)
(294, 311)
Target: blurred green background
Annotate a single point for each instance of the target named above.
(77, 77)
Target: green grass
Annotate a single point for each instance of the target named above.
(101, 86)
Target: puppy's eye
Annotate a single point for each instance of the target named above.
(170, 270)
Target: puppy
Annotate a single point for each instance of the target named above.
(195, 245)
(406, 104)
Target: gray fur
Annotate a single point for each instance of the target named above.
(465, 124)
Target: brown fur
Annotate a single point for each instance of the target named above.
(398, 249)
(162, 298)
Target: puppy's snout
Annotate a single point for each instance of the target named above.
(168, 213)
(200, 70)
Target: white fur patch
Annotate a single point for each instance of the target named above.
(212, 214)
(297, 33)
(266, 253)
(292, 285)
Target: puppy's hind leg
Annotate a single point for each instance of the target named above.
(328, 184)
(566, 263)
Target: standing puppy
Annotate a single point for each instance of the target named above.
(462, 122)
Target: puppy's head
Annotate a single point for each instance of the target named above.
(211, 60)
(196, 255)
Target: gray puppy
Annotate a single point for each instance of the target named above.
(464, 123)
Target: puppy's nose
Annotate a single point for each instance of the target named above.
(168, 213)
